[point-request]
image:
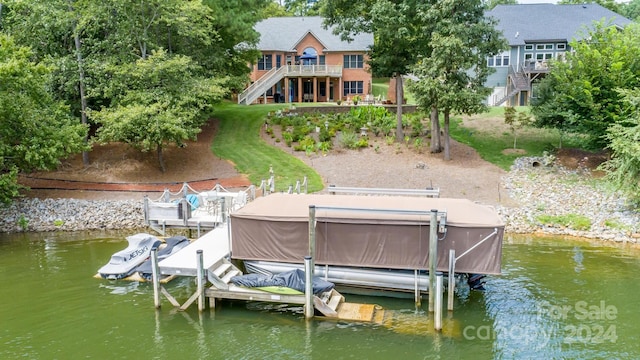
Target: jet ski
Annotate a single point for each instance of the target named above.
(124, 262)
(172, 246)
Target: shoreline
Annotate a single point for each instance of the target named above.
(548, 190)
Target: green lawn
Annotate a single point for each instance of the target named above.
(238, 139)
(494, 142)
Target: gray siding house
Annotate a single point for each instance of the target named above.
(537, 34)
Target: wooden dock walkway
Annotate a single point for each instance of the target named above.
(214, 245)
(214, 249)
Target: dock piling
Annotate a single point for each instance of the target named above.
(155, 277)
(433, 256)
(308, 288)
(452, 279)
(200, 279)
(437, 321)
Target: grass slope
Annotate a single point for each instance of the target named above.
(239, 141)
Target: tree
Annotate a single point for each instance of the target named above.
(624, 141)
(609, 4)
(581, 95)
(156, 101)
(490, 4)
(451, 75)
(217, 36)
(303, 7)
(631, 10)
(274, 9)
(36, 131)
(516, 120)
(398, 36)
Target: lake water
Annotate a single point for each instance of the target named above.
(557, 298)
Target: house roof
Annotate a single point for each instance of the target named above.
(525, 23)
(284, 34)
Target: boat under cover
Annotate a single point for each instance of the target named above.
(374, 231)
(124, 263)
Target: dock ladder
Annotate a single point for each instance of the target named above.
(220, 274)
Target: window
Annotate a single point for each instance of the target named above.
(321, 60)
(353, 87)
(353, 62)
(544, 56)
(322, 88)
(528, 48)
(278, 61)
(309, 56)
(528, 57)
(499, 60)
(561, 46)
(266, 62)
(544, 47)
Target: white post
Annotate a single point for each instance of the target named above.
(416, 284)
(155, 277)
(437, 321)
(308, 288)
(452, 279)
(200, 280)
(433, 255)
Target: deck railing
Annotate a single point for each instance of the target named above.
(270, 78)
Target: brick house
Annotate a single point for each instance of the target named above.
(303, 62)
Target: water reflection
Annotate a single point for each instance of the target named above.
(557, 298)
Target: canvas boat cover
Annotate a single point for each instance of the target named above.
(367, 231)
(294, 279)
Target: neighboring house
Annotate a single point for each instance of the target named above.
(303, 62)
(537, 34)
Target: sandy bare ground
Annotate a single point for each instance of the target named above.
(380, 166)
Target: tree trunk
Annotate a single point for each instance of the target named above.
(161, 158)
(447, 152)
(399, 101)
(83, 97)
(436, 147)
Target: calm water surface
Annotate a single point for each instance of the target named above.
(557, 298)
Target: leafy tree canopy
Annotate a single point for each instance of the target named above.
(631, 10)
(35, 130)
(490, 4)
(624, 141)
(451, 75)
(609, 4)
(156, 101)
(582, 94)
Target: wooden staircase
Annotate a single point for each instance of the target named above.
(220, 274)
(258, 88)
(519, 82)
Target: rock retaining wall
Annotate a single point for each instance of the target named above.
(535, 183)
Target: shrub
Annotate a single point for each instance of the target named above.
(348, 139)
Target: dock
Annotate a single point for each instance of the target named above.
(189, 209)
(211, 251)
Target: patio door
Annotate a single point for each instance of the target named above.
(307, 90)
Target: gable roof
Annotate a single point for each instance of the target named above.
(526, 23)
(285, 33)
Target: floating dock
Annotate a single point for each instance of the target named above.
(210, 254)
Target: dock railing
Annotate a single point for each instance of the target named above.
(191, 209)
(429, 192)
